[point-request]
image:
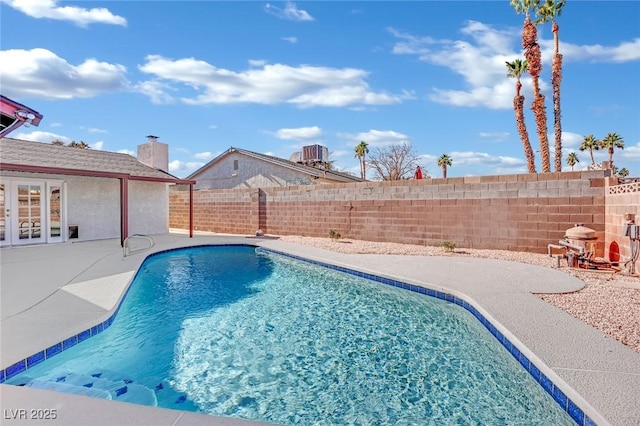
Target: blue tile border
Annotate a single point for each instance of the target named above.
(570, 407)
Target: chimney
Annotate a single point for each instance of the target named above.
(154, 154)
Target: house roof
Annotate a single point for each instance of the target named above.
(16, 154)
(311, 171)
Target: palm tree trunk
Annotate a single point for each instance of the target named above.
(593, 161)
(556, 78)
(444, 171)
(533, 56)
(518, 107)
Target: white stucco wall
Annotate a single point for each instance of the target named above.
(251, 173)
(94, 205)
(148, 207)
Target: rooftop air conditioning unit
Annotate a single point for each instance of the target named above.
(315, 153)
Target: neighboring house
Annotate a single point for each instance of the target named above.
(51, 194)
(239, 168)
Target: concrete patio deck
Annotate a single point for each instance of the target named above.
(52, 292)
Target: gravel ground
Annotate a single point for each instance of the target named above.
(608, 302)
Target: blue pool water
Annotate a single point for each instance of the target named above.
(232, 331)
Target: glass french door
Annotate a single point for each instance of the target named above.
(27, 213)
(32, 212)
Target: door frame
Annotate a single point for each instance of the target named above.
(6, 212)
(11, 211)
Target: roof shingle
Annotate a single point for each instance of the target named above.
(27, 153)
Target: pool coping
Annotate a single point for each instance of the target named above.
(564, 394)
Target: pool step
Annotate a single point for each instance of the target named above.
(168, 396)
(69, 388)
(99, 386)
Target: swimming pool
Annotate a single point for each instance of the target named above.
(235, 332)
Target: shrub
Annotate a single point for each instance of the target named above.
(448, 246)
(334, 235)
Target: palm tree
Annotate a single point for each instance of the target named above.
(515, 70)
(623, 172)
(80, 145)
(362, 149)
(533, 56)
(549, 11)
(444, 161)
(57, 142)
(612, 140)
(572, 159)
(592, 144)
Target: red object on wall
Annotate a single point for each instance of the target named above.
(418, 174)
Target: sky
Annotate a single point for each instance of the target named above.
(272, 77)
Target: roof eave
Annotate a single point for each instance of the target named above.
(89, 173)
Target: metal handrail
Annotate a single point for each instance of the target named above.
(125, 245)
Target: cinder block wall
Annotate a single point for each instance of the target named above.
(227, 211)
(620, 199)
(511, 212)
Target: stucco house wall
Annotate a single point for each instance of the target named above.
(93, 204)
(237, 171)
(148, 207)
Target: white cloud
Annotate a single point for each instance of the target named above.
(204, 155)
(257, 62)
(97, 145)
(291, 40)
(625, 51)
(40, 136)
(376, 138)
(496, 136)
(213, 126)
(481, 63)
(127, 151)
(631, 153)
(341, 153)
(480, 59)
(55, 125)
(304, 86)
(471, 158)
(156, 91)
(498, 96)
(569, 140)
(49, 9)
(289, 12)
(41, 73)
(410, 44)
(95, 130)
(178, 167)
(300, 133)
